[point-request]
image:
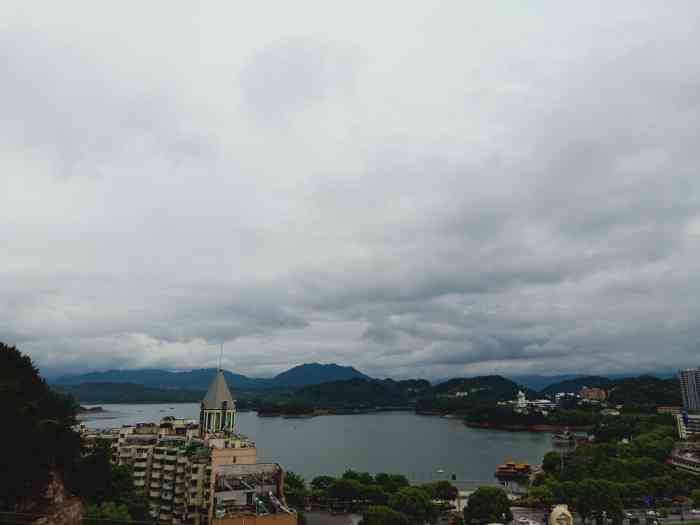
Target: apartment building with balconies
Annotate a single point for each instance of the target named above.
(175, 462)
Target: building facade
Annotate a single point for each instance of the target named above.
(686, 457)
(690, 388)
(687, 424)
(593, 394)
(175, 463)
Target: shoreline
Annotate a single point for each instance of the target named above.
(334, 412)
(527, 428)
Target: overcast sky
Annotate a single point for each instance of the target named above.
(428, 189)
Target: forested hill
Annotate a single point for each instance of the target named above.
(486, 388)
(576, 384)
(315, 374)
(646, 392)
(39, 438)
(362, 393)
(94, 393)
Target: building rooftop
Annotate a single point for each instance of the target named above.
(218, 393)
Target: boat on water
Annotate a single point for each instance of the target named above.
(563, 438)
(513, 471)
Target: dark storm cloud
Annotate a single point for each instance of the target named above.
(520, 197)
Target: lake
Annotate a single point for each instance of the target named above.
(395, 442)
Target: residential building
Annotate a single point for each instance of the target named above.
(668, 410)
(175, 464)
(686, 457)
(593, 394)
(251, 494)
(687, 424)
(690, 388)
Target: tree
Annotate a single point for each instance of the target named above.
(488, 505)
(597, 496)
(542, 495)
(415, 503)
(321, 482)
(109, 510)
(344, 490)
(441, 490)
(695, 497)
(40, 440)
(445, 491)
(374, 494)
(92, 479)
(391, 482)
(381, 515)
(294, 489)
(551, 462)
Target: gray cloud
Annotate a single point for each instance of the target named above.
(515, 195)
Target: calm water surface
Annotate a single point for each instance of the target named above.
(396, 442)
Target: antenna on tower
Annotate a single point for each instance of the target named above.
(221, 355)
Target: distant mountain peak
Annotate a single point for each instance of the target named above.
(316, 373)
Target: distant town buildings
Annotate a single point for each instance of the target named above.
(690, 388)
(593, 394)
(668, 410)
(523, 405)
(198, 473)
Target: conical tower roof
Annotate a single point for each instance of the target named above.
(218, 393)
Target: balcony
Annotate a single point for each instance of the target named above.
(154, 494)
(169, 468)
(155, 475)
(139, 474)
(168, 477)
(167, 496)
(139, 482)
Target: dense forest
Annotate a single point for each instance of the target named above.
(625, 465)
(43, 445)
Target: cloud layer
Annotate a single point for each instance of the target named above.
(416, 190)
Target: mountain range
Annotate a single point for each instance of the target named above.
(199, 379)
(333, 386)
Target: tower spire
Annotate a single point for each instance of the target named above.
(221, 355)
